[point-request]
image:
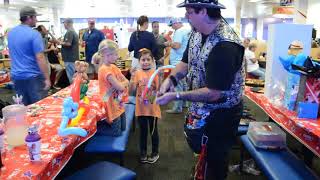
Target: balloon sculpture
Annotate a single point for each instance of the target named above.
(145, 92)
(70, 111)
(76, 94)
(77, 106)
(294, 78)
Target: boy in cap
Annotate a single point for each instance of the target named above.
(213, 65)
(29, 68)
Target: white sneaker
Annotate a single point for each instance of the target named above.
(153, 158)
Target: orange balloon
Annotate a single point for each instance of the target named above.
(75, 89)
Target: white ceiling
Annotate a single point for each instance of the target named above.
(133, 8)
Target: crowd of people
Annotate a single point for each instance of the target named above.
(209, 73)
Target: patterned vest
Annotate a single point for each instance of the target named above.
(196, 77)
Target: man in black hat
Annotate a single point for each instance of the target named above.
(213, 65)
(29, 68)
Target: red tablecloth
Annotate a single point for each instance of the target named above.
(307, 131)
(55, 150)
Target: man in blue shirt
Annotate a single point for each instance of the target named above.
(29, 68)
(92, 38)
(178, 46)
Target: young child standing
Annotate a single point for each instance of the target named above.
(147, 111)
(113, 90)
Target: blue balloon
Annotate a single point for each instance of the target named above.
(73, 131)
(70, 111)
(299, 60)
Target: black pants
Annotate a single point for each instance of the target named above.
(153, 128)
(221, 130)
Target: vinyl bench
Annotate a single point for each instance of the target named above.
(278, 164)
(100, 144)
(103, 171)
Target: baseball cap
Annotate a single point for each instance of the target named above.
(296, 45)
(28, 11)
(174, 20)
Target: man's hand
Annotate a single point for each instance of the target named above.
(167, 44)
(166, 98)
(47, 84)
(161, 60)
(166, 86)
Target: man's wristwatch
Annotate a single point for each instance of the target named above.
(178, 97)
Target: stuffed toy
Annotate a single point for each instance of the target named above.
(81, 69)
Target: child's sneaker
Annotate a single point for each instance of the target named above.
(153, 158)
(143, 159)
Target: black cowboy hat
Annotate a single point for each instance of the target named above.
(202, 3)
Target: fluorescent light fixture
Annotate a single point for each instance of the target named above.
(254, 1)
(32, 1)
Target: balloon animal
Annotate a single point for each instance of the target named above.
(145, 92)
(70, 110)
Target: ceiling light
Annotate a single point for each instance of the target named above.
(32, 1)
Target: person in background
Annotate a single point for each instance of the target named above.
(52, 51)
(246, 43)
(29, 68)
(178, 46)
(168, 36)
(96, 61)
(2, 44)
(44, 33)
(53, 58)
(213, 65)
(113, 88)
(141, 39)
(163, 51)
(70, 48)
(92, 38)
(252, 62)
(147, 111)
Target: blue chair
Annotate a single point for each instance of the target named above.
(103, 171)
(278, 164)
(115, 145)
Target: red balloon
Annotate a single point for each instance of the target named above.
(75, 89)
